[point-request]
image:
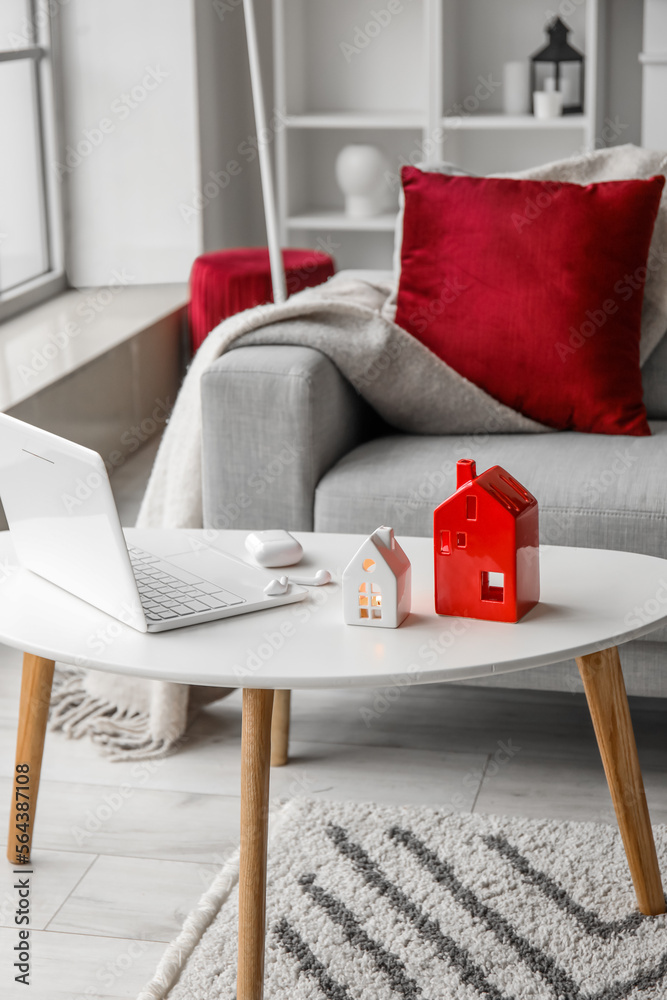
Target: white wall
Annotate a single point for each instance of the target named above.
(131, 139)
(231, 210)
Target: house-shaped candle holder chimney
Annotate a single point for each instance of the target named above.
(486, 540)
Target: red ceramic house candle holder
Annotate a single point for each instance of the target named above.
(486, 542)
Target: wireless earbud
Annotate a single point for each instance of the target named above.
(321, 577)
(279, 586)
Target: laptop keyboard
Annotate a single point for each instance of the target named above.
(167, 591)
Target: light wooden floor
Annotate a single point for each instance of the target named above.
(125, 850)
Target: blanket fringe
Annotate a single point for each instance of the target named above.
(119, 733)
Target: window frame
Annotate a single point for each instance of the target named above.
(41, 49)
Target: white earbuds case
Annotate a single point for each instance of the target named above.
(274, 548)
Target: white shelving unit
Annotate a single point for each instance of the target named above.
(513, 122)
(334, 219)
(654, 74)
(409, 86)
(351, 119)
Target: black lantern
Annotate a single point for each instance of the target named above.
(557, 52)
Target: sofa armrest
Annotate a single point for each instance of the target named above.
(275, 419)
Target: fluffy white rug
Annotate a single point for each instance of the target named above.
(376, 903)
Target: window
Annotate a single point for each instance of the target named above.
(461, 539)
(493, 587)
(471, 508)
(370, 595)
(370, 601)
(446, 543)
(30, 234)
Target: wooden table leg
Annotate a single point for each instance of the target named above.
(36, 682)
(255, 770)
(608, 703)
(280, 728)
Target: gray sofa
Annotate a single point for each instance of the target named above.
(289, 443)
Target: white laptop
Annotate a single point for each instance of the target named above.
(65, 527)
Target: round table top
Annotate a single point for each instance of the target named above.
(590, 599)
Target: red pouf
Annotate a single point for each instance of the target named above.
(227, 281)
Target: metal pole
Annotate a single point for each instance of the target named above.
(265, 166)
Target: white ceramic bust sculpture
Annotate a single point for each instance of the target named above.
(360, 172)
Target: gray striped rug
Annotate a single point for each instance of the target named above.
(381, 903)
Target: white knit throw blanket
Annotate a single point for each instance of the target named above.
(410, 387)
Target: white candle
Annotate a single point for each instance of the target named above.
(547, 104)
(516, 89)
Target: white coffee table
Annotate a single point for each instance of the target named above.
(591, 601)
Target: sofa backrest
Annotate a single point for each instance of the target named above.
(654, 378)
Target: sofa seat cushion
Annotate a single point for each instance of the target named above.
(593, 490)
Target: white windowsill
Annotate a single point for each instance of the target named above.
(49, 342)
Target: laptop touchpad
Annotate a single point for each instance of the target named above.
(218, 567)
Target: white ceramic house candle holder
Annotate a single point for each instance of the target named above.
(377, 583)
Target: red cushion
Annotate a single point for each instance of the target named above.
(533, 290)
(225, 282)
